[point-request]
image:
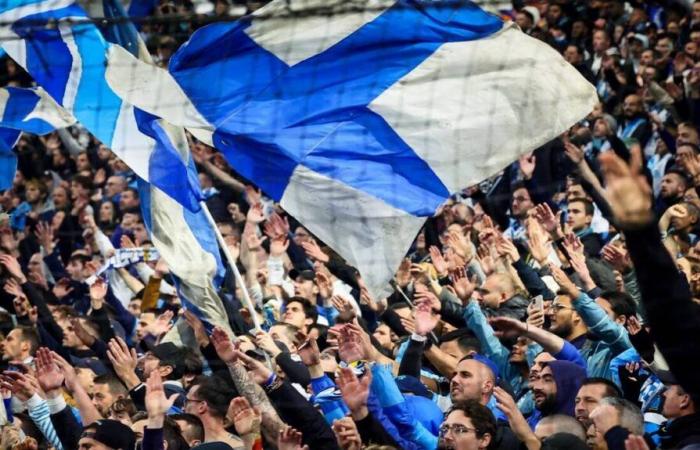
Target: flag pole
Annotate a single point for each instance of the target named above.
(232, 263)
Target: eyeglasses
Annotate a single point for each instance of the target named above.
(456, 429)
(192, 400)
(557, 307)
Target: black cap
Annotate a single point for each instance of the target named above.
(111, 433)
(304, 274)
(666, 377)
(171, 355)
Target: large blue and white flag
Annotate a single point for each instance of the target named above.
(65, 53)
(362, 122)
(156, 150)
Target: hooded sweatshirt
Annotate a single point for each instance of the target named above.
(568, 377)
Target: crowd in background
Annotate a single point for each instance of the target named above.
(555, 305)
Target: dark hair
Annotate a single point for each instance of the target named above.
(124, 405)
(621, 303)
(587, 205)
(310, 310)
(30, 335)
(194, 422)
(193, 364)
(172, 434)
(116, 387)
(465, 339)
(481, 417)
(611, 389)
(680, 173)
(83, 181)
(216, 394)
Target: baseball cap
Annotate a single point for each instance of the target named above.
(666, 377)
(111, 433)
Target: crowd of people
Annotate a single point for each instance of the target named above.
(553, 306)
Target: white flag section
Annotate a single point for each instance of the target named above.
(362, 127)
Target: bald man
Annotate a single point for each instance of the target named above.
(474, 380)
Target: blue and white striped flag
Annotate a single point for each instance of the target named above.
(156, 150)
(69, 61)
(25, 109)
(361, 123)
(32, 110)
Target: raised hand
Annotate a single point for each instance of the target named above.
(62, 288)
(69, 374)
(98, 292)
(258, 371)
(325, 287)
(460, 244)
(618, 257)
(627, 192)
(276, 227)
(161, 325)
(244, 417)
(549, 221)
(507, 328)
(355, 392)
(538, 242)
(124, 361)
(313, 251)
(347, 434)
(424, 318)
(223, 346)
(574, 152)
(255, 214)
(13, 267)
(200, 333)
(342, 305)
(565, 284)
(47, 372)
(527, 164)
(506, 248)
(279, 246)
(438, 261)
(21, 385)
(290, 439)
(267, 344)
(422, 294)
(81, 332)
(309, 352)
(44, 234)
(403, 274)
(157, 404)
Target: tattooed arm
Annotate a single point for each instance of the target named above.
(246, 386)
(271, 422)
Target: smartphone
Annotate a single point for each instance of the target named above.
(538, 301)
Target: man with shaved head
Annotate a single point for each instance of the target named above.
(475, 380)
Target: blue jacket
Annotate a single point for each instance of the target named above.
(396, 408)
(613, 337)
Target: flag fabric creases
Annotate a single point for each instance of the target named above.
(365, 126)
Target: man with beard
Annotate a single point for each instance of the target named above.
(555, 390)
(583, 322)
(636, 123)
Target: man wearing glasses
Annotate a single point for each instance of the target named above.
(467, 426)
